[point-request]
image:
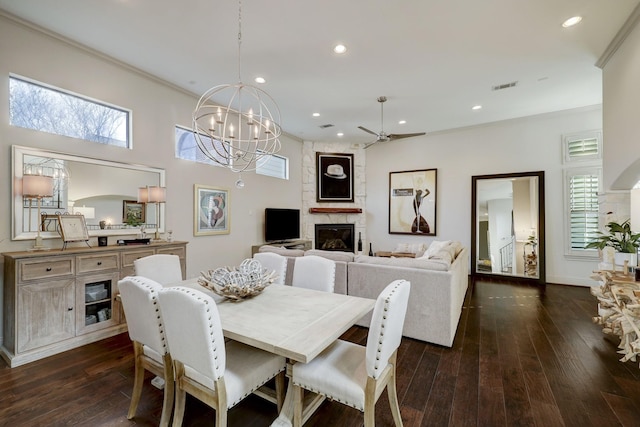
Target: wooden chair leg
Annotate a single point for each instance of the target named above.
(280, 390)
(298, 401)
(138, 380)
(393, 400)
(370, 403)
(181, 395)
(169, 392)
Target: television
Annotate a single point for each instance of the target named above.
(281, 224)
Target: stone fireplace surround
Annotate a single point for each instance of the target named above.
(309, 220)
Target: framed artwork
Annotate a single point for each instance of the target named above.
(73, 228)
(412, 202)
(211, 211)
(133, 212)
(334, 177)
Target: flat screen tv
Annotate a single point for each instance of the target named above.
(281, 224)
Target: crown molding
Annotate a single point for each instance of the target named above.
(619, 38)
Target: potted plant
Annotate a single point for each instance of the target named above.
(621, 239)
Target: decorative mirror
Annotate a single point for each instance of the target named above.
(100, 190)
(507, 228)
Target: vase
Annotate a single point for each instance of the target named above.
(621, 257)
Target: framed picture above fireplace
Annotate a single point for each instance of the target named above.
(412, 202)
(334, 177)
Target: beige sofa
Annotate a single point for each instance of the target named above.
(438, 286)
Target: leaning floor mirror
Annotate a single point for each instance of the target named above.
(507, 227)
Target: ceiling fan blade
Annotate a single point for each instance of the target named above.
(367, 130)
(370, 144)
(405, 135)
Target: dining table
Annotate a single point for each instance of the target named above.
(293, 322)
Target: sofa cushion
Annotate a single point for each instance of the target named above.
(422, 263)
(281, 250)
(332, 255)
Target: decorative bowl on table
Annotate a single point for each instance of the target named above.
(237, 283)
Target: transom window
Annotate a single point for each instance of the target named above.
(34, 105)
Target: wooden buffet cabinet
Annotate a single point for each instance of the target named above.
(61, 299)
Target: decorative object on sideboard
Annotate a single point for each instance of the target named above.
(237, 125)
(237, 283)
(37, 187)
(370, 250)
(103, 241)
(359, 242)
(73, 228)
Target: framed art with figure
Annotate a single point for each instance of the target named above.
(334, 177)
(412, 202)
(211, 211)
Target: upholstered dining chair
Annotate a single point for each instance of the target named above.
(215, 372)
(339, 372)
(139, 300)
(162, 268)
(273, 262)
(314, 272)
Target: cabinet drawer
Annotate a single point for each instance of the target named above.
(53, 267)
(129, 257)
(178, 250)
(89, 263)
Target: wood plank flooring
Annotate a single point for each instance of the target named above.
(522, 356)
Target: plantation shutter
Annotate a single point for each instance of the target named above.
(583, 206)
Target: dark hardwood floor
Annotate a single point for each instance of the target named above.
(522, 356)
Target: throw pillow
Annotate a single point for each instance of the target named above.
(435, 247)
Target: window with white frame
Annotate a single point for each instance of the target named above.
(581, 197)
(41, 107)
(582, 147)
(273, 165)
(187, 149)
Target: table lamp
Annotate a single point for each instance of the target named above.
(153, 194)
(37, 187)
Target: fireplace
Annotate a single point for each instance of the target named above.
(335, 237)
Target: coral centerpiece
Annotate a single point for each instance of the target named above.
(237, 283)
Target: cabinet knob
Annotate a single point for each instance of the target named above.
(70, 309)
(99, 262)
(48, 268)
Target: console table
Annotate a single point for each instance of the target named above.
(619, 310)
(61, 299)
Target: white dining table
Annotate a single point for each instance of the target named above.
(293, 322)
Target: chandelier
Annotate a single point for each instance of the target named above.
(237, 125)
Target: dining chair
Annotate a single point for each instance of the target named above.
(273, 262)
(162, 268)
(339, 373)
(139, 301)
(218, 373)
(314, 272)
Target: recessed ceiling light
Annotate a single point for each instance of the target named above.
(572, 21)
(340, 134)
(339, 48)
(476, 107)
(401, 122)
(260, 80)
(316, 114)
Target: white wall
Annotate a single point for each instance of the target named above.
(157, 108)
(621, 102)
(522, 145)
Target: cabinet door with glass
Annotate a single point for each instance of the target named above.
(95, 302)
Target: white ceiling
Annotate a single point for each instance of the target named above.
(433, 59)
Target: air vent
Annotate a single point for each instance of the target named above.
(328, 125)
(504, 86)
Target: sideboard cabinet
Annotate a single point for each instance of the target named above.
(61, 299)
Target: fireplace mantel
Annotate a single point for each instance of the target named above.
(335, 210)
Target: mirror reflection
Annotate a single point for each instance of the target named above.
(105, 192)
(508, 226)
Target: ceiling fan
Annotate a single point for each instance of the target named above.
(382, 136)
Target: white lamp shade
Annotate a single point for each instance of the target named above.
(157, 194)
(143, 194)
(37, 186)
(635, 209)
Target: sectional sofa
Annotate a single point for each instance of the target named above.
(439, 282)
